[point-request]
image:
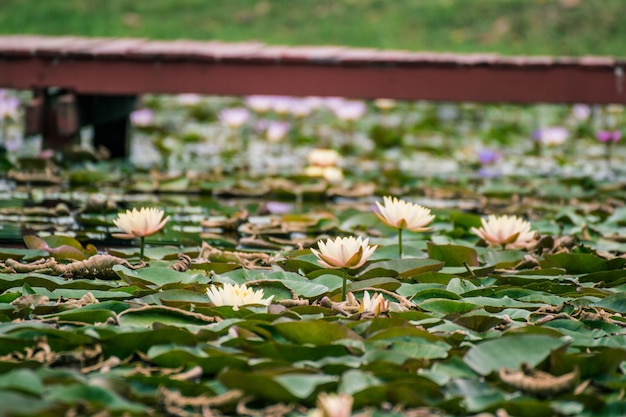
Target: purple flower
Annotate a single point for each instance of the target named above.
(9, 105)
(489, 156)
(607, 136)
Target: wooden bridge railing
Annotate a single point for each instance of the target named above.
(97, 67)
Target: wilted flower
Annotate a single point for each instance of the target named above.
(375, 305)
(333, 405)
(552, 136)
(506, 231)
(236, 296)
(323, 157)
(234, 117)
(344, 252)
(607, 136)
(140, 223)
(142, 117)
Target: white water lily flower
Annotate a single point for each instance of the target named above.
(236, 296)
(375, 305)
(404, 215)
(140, 223)
(323, 157)
(333, 405)
(344, 252)
(508, 231)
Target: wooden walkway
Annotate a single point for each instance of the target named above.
(134, 66)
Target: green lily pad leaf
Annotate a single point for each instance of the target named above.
(355, 380)
(401, 268)
(453, 255)
(285, 388)
(27, 405)
(615, 302)
(148, 315)
(478, 322)
(318, 333)
(303, 386)
(95, 395)
(158, 276)
(60, 247)
(575, 263)
(446, 306)
(22, 380)
(26, 254)
(511, 352)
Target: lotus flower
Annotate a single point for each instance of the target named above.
(333, 405)
(260, 104)
(385, 103)
(506, 231)
(236, 296)
(344, 252)
(375, 305)
(276, 131)
(140, 223)
(403, 215)
(349, 110)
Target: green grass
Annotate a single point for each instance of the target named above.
(555, 27)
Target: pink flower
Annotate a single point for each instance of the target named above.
(344, 252)
(142, 117)
(234, 117)
(606, 136)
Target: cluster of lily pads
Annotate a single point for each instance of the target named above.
(288, 279)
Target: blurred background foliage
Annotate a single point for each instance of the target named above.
(550, 27)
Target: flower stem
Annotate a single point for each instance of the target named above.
(400, 243)
(142, 239)
(343, 287)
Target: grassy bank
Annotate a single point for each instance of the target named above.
(556, 27)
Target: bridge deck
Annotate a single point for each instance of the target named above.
(135, 66)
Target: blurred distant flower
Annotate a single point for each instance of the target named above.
(323, 157)
(403, 215)
(142, 117)
(581, 112)
(276, 131)
(488, 156)
(140, 223)
(300, 107)
(9, 106)
(236, 296)
(385, 103)
(331, 174)
(349, 110)
(260, 104)
(278, 207)
(552, 136)
(281, 104)
(375, 305)
(506, 231)
(607, 136)
(189, 99)
(333, 405)
(234, 117)
(344, 252)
